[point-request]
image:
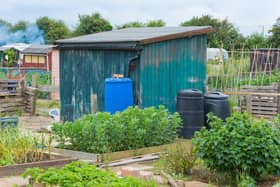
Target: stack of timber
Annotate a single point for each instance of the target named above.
(29, 94)
(261, 101)
(15, 98)
(11, 100)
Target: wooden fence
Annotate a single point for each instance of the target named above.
(16, 98)
(261, 101)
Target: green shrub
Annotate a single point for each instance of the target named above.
(132, 129)
(241, 145)
(82, 174)
(179, 159)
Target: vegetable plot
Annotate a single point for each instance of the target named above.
(132, 129)
(18, 147)
(82, 174)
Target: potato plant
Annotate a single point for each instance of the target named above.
(131, 129)
(82, 174)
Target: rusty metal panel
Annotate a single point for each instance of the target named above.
(170, 66)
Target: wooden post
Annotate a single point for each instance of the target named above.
(33, 110)
(94, 102)
(34, 80)
(249, 103)
(278, 98)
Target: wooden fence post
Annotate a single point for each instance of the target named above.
(93, 99)
(278, 98)
(34, 80)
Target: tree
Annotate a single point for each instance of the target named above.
(256, 40)
(92, 24)
(20, 25)
(137, 24)
(155, 23)
(274, 39)
(226, 34)
(134, 24)
(5, 23)
(53, 29)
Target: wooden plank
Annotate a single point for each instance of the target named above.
(17, 169)
(264, 116)
(11, 99)
(7, 105)
(264, 108)
(264, 112)
(259, 103)
(252, 93)
(48, 88)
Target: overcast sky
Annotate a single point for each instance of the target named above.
(248, 15)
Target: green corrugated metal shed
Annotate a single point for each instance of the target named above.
(166, 60)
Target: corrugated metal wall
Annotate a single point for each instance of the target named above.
(170, 66)
(82, 73)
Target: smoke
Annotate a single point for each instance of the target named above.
(31, 35)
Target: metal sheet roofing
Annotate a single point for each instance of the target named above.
(138, 35)
(38, 49)
(16, 46)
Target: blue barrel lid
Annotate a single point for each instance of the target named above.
(216, 95)
(117, 80)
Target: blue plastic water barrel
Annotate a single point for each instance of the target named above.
(118, 94)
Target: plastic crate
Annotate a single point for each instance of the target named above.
(11, 122)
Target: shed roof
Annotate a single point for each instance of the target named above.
(38, 49)
(16, 46)
(143, 35)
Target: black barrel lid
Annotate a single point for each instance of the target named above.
(216, 95)
(190, 93)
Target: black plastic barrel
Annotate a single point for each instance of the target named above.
(190, 106)
(218, 103)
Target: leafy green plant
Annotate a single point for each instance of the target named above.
(82, 174)
(241, 145)
(11, 57)
(179, 159)
(131, 129)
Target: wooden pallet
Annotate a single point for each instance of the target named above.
(14, 99)
(263, 101)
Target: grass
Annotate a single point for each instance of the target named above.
(42, 103)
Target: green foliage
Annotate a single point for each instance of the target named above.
(20, 25)
(5, 23)
(241, 145)
(137, 24)
(11, 57)
(245, 181)
(226, 34)
(275, 37)
(134, 24)
(179, 159)
(93, 23)
(155, 23)
(82, 174)
(132, 129)
(43, 78)
(256, 40)
(18, 146)
(53, 29)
